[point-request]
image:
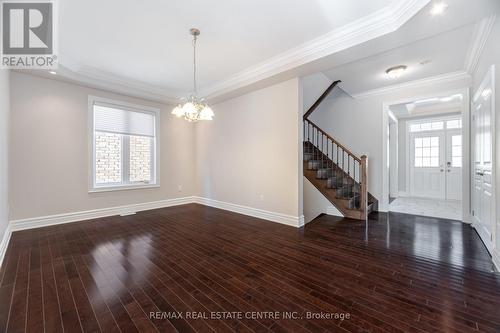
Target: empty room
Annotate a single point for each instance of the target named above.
(249, 166)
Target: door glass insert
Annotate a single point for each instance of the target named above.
(454, 124)
(456, 151)
(427, 152)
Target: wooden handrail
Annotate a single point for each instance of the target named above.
(334, 141)
(320, 99)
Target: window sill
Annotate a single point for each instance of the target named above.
(122, 188)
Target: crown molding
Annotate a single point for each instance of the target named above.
(443, 78)
(372, 26)
(379, 23)
(481, 33)
(96, 78)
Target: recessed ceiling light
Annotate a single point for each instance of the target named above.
(53, 73)
(396, 71)
(438, 8)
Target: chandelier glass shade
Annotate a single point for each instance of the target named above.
(193, 108)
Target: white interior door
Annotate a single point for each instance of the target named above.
(453, 165)
(427, 177)
(483, 183)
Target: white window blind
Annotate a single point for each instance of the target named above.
(121, 121)
(124, 140)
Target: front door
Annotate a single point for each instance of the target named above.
(454, 165)
(427, 165)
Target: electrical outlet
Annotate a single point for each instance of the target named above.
(179, 188)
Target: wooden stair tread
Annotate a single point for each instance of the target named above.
(342, 204)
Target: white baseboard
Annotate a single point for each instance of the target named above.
(302, 221)
(496, 259)
(403, 194)
(4, 243)
(44, 221)
(254, 212)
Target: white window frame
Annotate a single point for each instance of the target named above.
(155, 165)
(431, 119)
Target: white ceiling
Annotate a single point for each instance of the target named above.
(143, 48)
(428, 45)
(146, 44)
(437, 55)
(437, 105)
(149, 41)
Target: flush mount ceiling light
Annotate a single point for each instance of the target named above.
(396, 71)
(53, 73)
(438, 8)
(193, 108)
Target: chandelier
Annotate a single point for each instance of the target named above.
(193, 108)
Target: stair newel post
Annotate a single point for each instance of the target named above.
(364, 186)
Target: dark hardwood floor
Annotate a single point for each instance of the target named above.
(187, 263)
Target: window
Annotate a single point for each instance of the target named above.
(456, 151)
(435, 125)
(427, 126)
(427, 152)
(454, 124)
(124, 145)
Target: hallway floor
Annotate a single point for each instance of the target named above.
(445, 209)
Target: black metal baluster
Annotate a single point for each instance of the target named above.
(337, 155)
(343, 159)
(332, 155)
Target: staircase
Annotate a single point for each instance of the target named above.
(334, 170)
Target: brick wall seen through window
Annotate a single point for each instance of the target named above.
(140, 158)
(108, 161)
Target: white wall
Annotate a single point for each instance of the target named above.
(358, 124)
(49, 151)
(394, 159)
(4, 149)
(313, 86)
(402, 155)
(491, 56)
(250, 155)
